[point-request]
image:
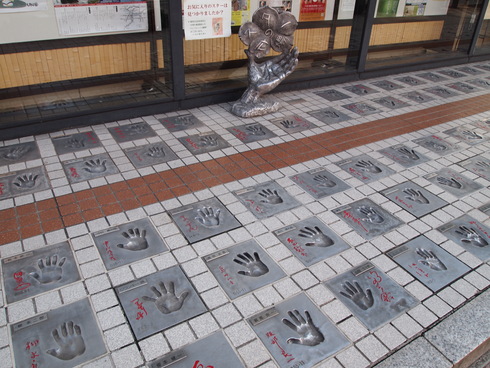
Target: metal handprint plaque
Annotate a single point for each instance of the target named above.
(132, 132)
(23, 182)
(20, 152)
(480, 165)
(150, 154)
(468, 134)
(404, 155)
(76, 142)
(453, 182)
(249, 133)
(203, 143)
(365, 168)
(319, 183)
(91, 167)
(181, 122)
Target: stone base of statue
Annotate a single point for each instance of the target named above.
(263, 106)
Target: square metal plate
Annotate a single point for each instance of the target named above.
(128, 243)
(371, 295)
(391, 102)
(19, 153)
(362, 109)
(480, 82)
(200, 355)
(413, 198)
(403, 155)
(311, 241)
(453, 182)
(291, 320)
(387, 85)
(485, 208)
(428, 263)
(332, 95)
(483, 124)
(23, 182)
(463, 87)
(249, 133)
(433, 77)
(441, 91)
(411, 81)
(181, 122)
(479, 165)
(202, 143)
(329, 115)
(365, 168)
(319, 183)
(243, 268)
(483, 66)
(437, 145)
(75, 142)
(469, 70)
(417, 96)
(452, 73)
(293, 123)
(466, 134)
(204, 219)
(150, 154)
(132, 132)
(266, 199)
(361, 90)
(35, 272)
(159, 301)
(36, 344)
(367, 218)
(87, 168)
(471, 234)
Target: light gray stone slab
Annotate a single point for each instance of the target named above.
(75, 142)
(19, 153)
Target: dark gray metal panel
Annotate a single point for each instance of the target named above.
(132, 132)
(23, 182)
(362, 109)
(405, 156)
(441, 91)
(484, 124)
(437, 145)
(485, 208)
(266, 199)
(159, 301)
(361, 90)
(365, 168)
(150, 154)
(332, 95)
(371, 295)
(483, 66)
(463, 87)
(413, 198)
(128, 243)
(469, 70)
(209, 352)
(411, 81)
(452, 73)
(329, 115)
(204, 219)
(181, 122)
(367, 218)
(19, 153)
(311, 241)
(202, 143)
(293, 123)
(453, 182)
(64, 337)
(387, 85)
(251, 132)
(417, 97)
(433, 77)
(319, 183)
(242, 268)
(428, 263)
(87, 168)
(75, 142)
(467, 135)
(391, 102)
(480, 82)
(297, 334)
(41, 270)
(471, 234)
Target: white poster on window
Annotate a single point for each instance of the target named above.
(209, 19)
(17, 6)
(436, 7)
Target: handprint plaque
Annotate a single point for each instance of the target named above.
(20, 152)
(23, 182)
(404, 155)
(467, 134)
(150, 154)
(437, 145)
(31, 273)
(293, 123)
(453, 182)
(479, 165)
(203, 143)
(181, 122)
(76, 142)
(89, 168)
(319, 183)
(251, 132)
(131, 132)
(365, 168)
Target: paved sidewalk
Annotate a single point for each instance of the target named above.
(348, 229)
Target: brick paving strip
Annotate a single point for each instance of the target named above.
(53, 214)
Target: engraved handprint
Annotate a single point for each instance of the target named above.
(331, 114)
(137, 129)
(435, 146)
(324, 182)
(484, 165)
(184, 120)
(270, 196)
(430, 259)
(50, 270)
(155, 152)
(70, 343)
(368, 166)
(166, 300)
(15, 153)
(318, 238)
(75, 143)
(26, 181)
(209, 141)
(415, 196)
(310, 335)
(254, 265)
(136, 239)
(408, 153)
(255, 130)
(449, 182)
(208, 216)
(468, 134)
(95, 166)
(471, 236)
(288, 124)
(370, 215)
(363, 299)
